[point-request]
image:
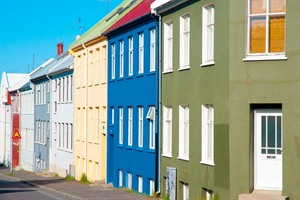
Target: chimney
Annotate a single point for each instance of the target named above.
(60, 48)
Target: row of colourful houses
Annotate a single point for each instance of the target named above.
(194, 99)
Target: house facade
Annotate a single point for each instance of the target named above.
(230, 112)
(61, 123)
(132, 135)
(90, 96)
(6, 127)
(264, 85)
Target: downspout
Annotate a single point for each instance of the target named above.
(50, 119)
(85, 105)
(20, 141)
(158, 35)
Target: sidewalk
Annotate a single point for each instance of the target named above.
(74, 189)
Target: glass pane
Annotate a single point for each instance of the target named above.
(271, 151)
(277, 34)
(257, 34)
(263, 151)
(277, 6)
(278, 131)
(263, 131)
(279, 151)
(257, 6)
(271, 131)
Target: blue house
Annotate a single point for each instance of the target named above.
(132, 141)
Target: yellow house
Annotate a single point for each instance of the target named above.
(90, 96)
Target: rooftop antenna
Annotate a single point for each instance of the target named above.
(80, 27)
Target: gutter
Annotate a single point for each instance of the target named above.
(50, 118)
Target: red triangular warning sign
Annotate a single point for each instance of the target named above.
(16, 135)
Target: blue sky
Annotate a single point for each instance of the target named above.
(34, 27)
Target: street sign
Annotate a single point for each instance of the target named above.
(16, 135)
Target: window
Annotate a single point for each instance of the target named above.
(71, 137)
(140, 184)
(266, 27)
(152, 187)
(112, 115)
(207, 194)
(113, 61)
(121, 58)
(152, 49)
(168, 46)
(79, 70)
(91, 67)
(130, 124)
(78, 122)
(90, 125)
(167, 131)
(120, 178)
(67, 88)
(208, 134)
(151, 117)
(97, 122)
(130, 56)
(185, 191)
(71, 89)
(104, 58)
(129, 180)
(183, 132)
(98, 58)
(141, 53)
(208, 13)
(120, 125)
(185, 41)
(140, 127)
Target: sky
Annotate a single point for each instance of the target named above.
(31, 29)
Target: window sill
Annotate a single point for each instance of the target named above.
(209, 163)
(167, 72)
(206, 64)
(183, 158)
(184, 68)
(151, 150)
(167, 155)
(265, 58)
(139, 149)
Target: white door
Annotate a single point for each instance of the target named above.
(268, 149)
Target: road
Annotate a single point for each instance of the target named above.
(11, 189)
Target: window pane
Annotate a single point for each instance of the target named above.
(278, 131)
(257, 6)
(277, 6)
(271, 131)
(263, 131)
(257, 35)
(277, 34)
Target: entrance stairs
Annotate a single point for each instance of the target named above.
(263, 195)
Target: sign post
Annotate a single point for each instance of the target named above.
(15, 147)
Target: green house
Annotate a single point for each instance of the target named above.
(230, 96)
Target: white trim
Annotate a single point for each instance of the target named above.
(264, 57)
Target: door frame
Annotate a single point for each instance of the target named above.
(255, 148)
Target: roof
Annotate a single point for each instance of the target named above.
(161, 6)
(10, 79)
(44, 70)
(20, 84)
(140, 10)
(105, 22)
(64, 64)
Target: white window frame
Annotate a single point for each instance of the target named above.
(113, 61)
(151, 117)
(183, 132)
(130, 56)
(207, 134)
(130, 125)
(112, 115)
(91, 59)
(120, 178)
(185, 191)
(168, 46)
(140, 126)
(129, 180)
(121, 115)
(97, 112)
(184, 42)
(121, 42)
(266, 55)
(167, 131)
(90, 126)
(208, 15)
(98, 61)
(140, 184)
(151, 187)
(152, 49)
(104, 65)
(141, 53)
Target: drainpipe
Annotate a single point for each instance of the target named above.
(20, 141)
(85, 105)
(50, 118)
(158, 34)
